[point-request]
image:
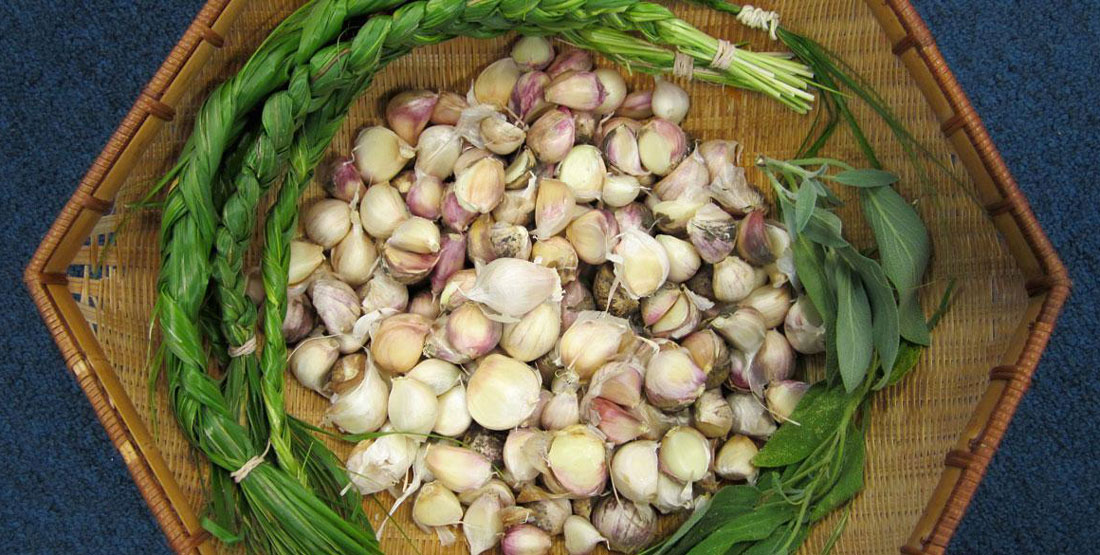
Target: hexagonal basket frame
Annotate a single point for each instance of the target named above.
(54, 290)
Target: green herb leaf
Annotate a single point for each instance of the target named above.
(905, 248)
(850, 481)
(752, 526)
(908, 357)
(728, 503)
(825, 228)
(864, 178)
(853, 328)
(884, 327)
(815, 419)
(804, 205)
(809, 265)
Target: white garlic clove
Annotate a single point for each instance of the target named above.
(532, 52)
(355, 257)
(525, 539)
(312, 360)
(684, 454)
(734, 459)
(336, 304)
(672, 496)
(482, 525)
(383, 292)
(628, 527)
(448, 108)
(398, 342)
(642, 264)
(305, 257)
(712, 232)
(408, 112)
(571, 60)
(614, 87)
(345, 183)
(412, 406)
(712, 415)
(380, 154)
(804, 328)
(634, 471)
(527, 97)
(749, 416)
(661, 146)
(592, 340)
(578, 460)
(439, 375)
(670, 101)
(683, 259)
(502, 392)
(480, 187)
(672, 380)
(534, 334)
(581, 537)
(453, 419)
(381, 210)
(327, 222)
(358, 403)
(552, 135)
(615, 422)
(459, 469)
(470, 332)
(637, 105)
(710, 354)
(500, 136)
(578, 90)
(772, 303)
(558, 254)
(744, 328)
(375, 465)
(495, 83)
(783, 397)
(417, 235)
(593, 235)
(513, 287)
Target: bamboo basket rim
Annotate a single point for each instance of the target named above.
(46, 279)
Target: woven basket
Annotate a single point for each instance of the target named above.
(932, 436)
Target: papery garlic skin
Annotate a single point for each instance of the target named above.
(628, 527)
(549, 514)
(380, 154)
(578, 460)
(437, 151)
(383, 293)
(375, 465)
(684, 454)
(712, 415)
(513, 287)
(510, 241)
(634, 471)
(336, 303)
(712, 232)
(327, 222)
(454, 418)
(459, 469)
(610, 295)
(502, 392)
(734, 459)
(581, 537)
(500, 136)
(496, 488)
(412, 406)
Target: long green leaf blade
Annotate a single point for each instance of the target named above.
(853, 329)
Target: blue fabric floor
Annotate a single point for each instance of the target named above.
(70, 70)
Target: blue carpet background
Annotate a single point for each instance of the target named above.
(69, 71)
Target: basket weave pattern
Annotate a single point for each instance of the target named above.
(931, 437)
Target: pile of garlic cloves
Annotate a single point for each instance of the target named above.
(551, 272)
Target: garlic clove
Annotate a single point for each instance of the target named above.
(620, 145)
(738, 379)
(413, 407)
(459, 469)
(672, 496)
(453, 293)
(673, 215)
(509, 241)
(614, 87)
(512, 287)
(480, 187)
(452, 257)
(584, 126)
(534, 334)
(375, 465)
(576, 299)
(408, 112)
(563, 409)
(417, 235)
(438, 151)
(620, 190)
(548, 514)
(527, 97)
(552, 135)
(355, 257)
(710, 354)
(634, 471)
(734, 279)
(554, 205)
(752, 240)
(381, 210)
(558, 254)
(637, 105)
(500, 136)
(772, 363)
(635, 215)
(804, 328)
(712, 415)
(311, 362)
(305, 257)
(749, 415)
(518, 174)
(495, 83)
(571, 60)
(744, 328)
(578, 460)
(592, 340)
(405, 266)
(479, 240)
(581, 537)
(583, 171)
(469, 157)
(439, 375)
(495, 488)
(358, 401)
(382, 292)
(783, 397)
(298, 320)
(670, 101)
(327, 222)
(684, 454)
(712, 232)
(454, 216)
(772, 303)
(470, 332)
(688, 180)
(619, 382)
(524, 454)
(380, 154)
(615, 422)
(502, 392)
(532, 52)
(525, 539)
(578, 90)
(642, 264)
(734, 460)
(672, 380)
(453, 419)
(482, 525)
(683, 259)
(628, 527)
(661, 146)
(681, 318)
(336, 304)
(345, 183)
(448, 108)
(397, 343)
(435, 508)
(593, 234)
